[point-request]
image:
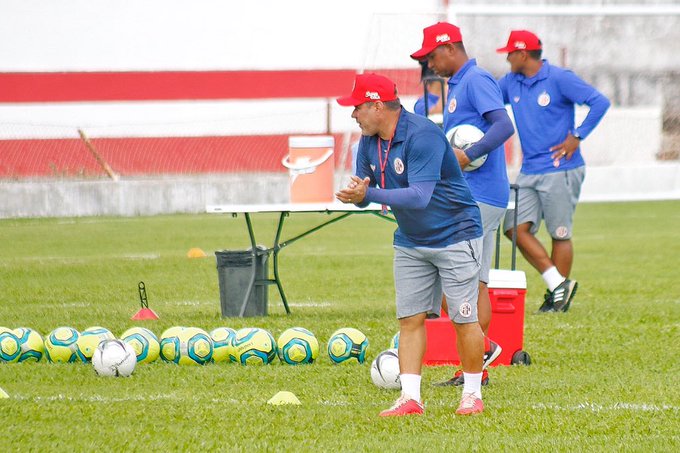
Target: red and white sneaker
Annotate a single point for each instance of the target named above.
(470, 405)
(404, 406)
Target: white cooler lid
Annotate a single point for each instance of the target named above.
(311, 141)
(503, 278)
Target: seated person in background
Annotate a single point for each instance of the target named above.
(433, 87)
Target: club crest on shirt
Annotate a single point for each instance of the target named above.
(516, 99)
(543, 99)
(398, 166)
(465, 310)
(452, 105)
(372, 167)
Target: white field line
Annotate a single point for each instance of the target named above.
(594, 407)
(309, 304)
(586, 406)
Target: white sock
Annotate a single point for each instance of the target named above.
(472, 384)
(552, 278)
(410, 385)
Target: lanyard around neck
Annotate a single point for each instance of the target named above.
(383, 163)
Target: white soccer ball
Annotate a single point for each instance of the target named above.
(385, 370)
(463, 137)
(114, 358)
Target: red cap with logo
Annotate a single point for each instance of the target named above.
(436, 35)
(521, 40)
(370, 88)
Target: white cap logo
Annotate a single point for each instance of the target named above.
(443, 38)
(520, 45)
(372, 95)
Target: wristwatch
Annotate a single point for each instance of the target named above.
(577, 135)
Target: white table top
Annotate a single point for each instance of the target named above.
(288, 207)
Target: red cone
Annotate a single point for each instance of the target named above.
(144, 314)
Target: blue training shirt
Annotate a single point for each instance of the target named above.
(543, 106)
(419, 106)
(420, 152)
(473, 92)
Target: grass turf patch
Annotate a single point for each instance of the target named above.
(604, 374)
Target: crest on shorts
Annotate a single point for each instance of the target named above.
(372, 167)
(398, 166)
(452, 105)
(516, 99)
(465, 310)
(544, 99)
(561, 232)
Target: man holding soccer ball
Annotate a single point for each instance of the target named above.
(474, 98)
(405, 161)
(542, 97)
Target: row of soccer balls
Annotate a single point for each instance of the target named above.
(185, 345)
(193, 346)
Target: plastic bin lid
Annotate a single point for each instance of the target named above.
(311, 141)
(503, 278)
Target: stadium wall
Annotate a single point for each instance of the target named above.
(172, 94)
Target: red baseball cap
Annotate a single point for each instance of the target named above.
(370, 88)
(521, 40)
(436, 35)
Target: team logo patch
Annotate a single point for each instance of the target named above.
(561, 232)
(372, 167)
(443, 38)
(543, 99)
(465, 310)
(398, 166)
(452, 105)
(516, 99)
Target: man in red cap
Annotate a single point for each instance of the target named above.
(542, 97)
(405, 161)
(474, 98)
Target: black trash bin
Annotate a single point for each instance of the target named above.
(234, 273)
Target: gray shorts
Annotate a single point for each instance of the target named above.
(421, 274)
(551, 197)
(491, 220)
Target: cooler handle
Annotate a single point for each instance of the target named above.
(307, 166)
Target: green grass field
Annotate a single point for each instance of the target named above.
(605, 375)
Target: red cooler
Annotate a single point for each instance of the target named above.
(507, 290)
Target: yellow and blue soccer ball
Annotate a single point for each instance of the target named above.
(222, 348)
(254, 346)
(170, 344)
(297, 345)
(144, 342)
(32, 344)
(394, 343)
(90, 338)
(10, 348)
(347, 343)
(186, 346)
(61, 345)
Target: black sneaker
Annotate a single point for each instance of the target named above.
(563, 295)
(491, 355)
(458, 379)
(547, 302)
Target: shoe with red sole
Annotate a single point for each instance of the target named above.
(404, 406)
(470, 405)
(459, 379)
